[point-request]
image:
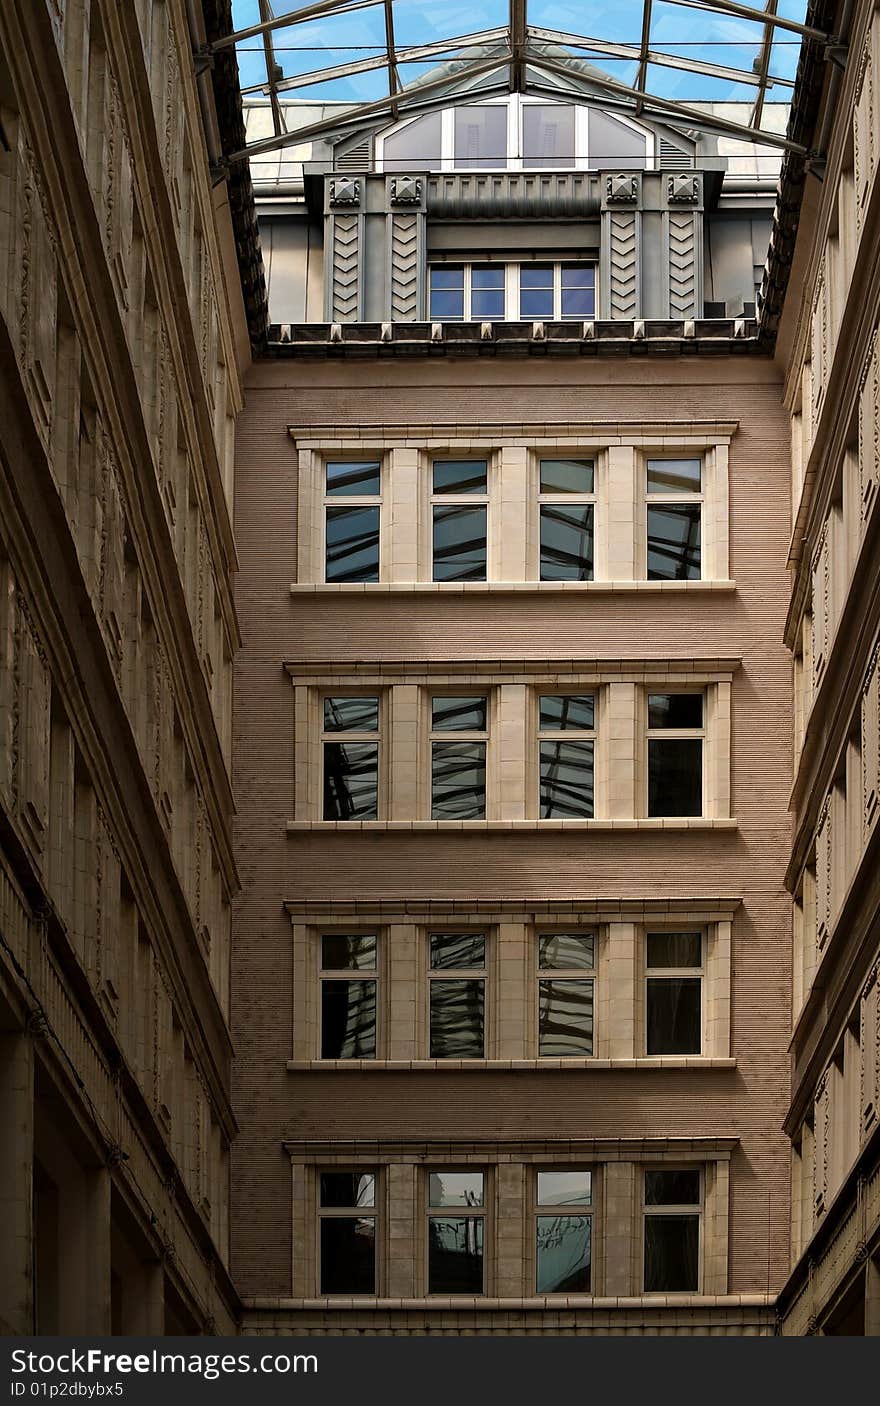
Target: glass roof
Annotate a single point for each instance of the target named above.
(336, 66)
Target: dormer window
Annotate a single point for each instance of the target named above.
(514, 133)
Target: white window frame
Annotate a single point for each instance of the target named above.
(512, 288)
(441, 735)
(669, 499)
(553, 500)
(566, 735)
(354, 500)
(699, 973)
(460, 500)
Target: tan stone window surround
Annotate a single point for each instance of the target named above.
(513, 453)
(334, 501)
(621, 689)
(511, 974)
(510, 1198)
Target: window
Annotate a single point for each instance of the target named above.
(459, 508)
(480, 137)
(347, 1232)
(566, 1000)
(548, 135)
(566, 733)
(563, 1232)
(673, 993)
(467, 292)
(675, 753)
(456, 1232)
(556, 292)
(458, 768)
(673, 1199)
(566, 507)
(674, 513)
(348, 996)
(478, 292)
(351, 529)
(350, 748)
(457, 995)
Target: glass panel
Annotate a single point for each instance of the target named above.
(674, 475)
(566, 790)
(565, 1188)
(674, 1016)
(457, 1019)
(459, 475)
(459, 544)
(675, 949)
(566, 542)
(559, 711)
(353, 479)
(563, 1254)
(672, 1254)
(455, 1254)
(536, 276)
(351, 714)
(458, 781)
(355, 953)
(351, 781)
(672, 1186)
(675, 710)
(675, 776)
(348, 1019)
(447, 292)
(565, 1018)
(674, 543)
(611, 143)
(481, 136)
(348, 1189)
(454, 950)
(566, 951)
(352, 544)
(536, 290)
(547, 135)
(567, 475)
(487, 292)
(455, 1188)
(348, 1255)
(415, 147)
(458, 714)
(578, 290)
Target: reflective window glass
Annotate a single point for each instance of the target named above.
(415, 147)
(457, 1018)
(559, 711)
(342, 953)
(567, 475)
(347, 1189)
(566, 780)
(351, 714)
(353, 479)
(566, 951)
(674, 949)
(675, 475)
(565, 1018)
(578, 291)
(547, 135)
(457, 950)
(351, 781)
(563, 1252)
(681, 710)
(348, 1255)
(487, 292)
(565, 1188)
(348, 1019)
(455, 1254)
(352, 546)
(674, 542)
(481, 137)
(458, 781)
(446, 293)
(451, 714)
(459, 544)
(456, 1188)
(566, 542)
(459, 475)
(536, 291)
(675, 776)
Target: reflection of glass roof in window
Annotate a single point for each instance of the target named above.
(331, 68)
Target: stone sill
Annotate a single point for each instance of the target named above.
(336, 588)
(295, 827)
(544, 1302)
(494, 1066)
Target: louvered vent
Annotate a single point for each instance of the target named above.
(672, 158)
(356, 158)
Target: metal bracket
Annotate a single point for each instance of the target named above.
(837, 52)
(219, 171)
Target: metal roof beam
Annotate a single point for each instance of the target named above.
(764, 68)
(633, 51)
(517, 45)
(748, 12)
(642, 73)
(290, 17)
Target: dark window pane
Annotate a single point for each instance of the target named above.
(348, 1255)
(455, 1254)
(674, 543)
(351, 781)
(675, 949)
(447, 306)
(448, 276)
(674, 475)
(481, 136)
(547, 135)
(457, 1019)
(536, 302)
(536, 276)
(458, 781)
(563, 1254)
(675, 710)
(672, 1250)
(566, 542)
(567, 475)
(360, 478)
(348, 1019)
(673, 1186)
(565, 1018)
(578, 302)
(675, 776)
(356, 953)
(559, 711)
(565, 1188)
(459, 544)
(348, 1189)
(487, 305)
(566, 951)
(454, 950)
(351, 715)
(459, 475)
(450, 714)
(455, 1188)
(352, 544)
(674, 1017)
(566, 781)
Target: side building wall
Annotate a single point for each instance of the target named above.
(117, 630)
